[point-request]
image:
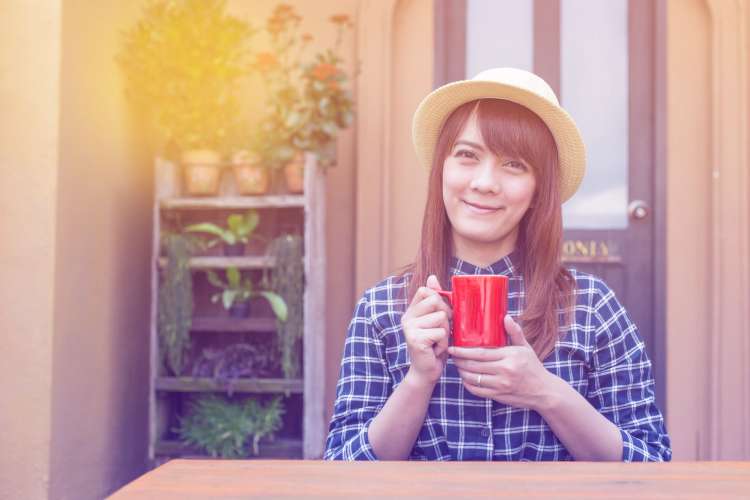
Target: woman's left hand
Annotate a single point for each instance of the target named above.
(512, 375)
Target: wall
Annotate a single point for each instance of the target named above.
(708, 221)
(688, 199)
(29, 97)
(104, 193)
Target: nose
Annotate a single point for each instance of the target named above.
(485, 180)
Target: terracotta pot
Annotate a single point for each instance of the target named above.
(251, 177)
(294, 173)
(202, 171)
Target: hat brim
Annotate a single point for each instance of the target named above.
(438, 105)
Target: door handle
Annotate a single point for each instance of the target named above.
(638, 209)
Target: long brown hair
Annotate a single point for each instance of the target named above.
(510, 129)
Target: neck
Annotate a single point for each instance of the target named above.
(482, 254)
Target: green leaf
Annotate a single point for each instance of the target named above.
(252, 220)
(227, 298)
(234, 222)
(277, 304)
(233, 275)
(207, 227)
(214, 279)
(293, 119)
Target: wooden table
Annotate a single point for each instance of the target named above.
(189, 479)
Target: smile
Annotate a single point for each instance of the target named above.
(480, 209)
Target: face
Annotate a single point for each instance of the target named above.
(485, 196)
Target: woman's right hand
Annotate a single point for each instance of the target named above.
(426, 325)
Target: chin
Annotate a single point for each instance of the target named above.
(482, 237)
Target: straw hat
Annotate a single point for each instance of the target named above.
(511, 84)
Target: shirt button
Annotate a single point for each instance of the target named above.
(485, 432)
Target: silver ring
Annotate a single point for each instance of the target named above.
(479, 380)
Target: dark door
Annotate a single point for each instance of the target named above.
(599, 58)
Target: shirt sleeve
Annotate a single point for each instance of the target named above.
(362, 390)
(621, 385)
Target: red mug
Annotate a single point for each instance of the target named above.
(479, 303)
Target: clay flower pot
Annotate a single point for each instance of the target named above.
(202, 172)
(250, 175)
(294, 173)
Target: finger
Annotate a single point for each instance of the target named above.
(437, 319)
(476, 366)
(480, 392)
(472, 378)
(478, 353)
(421, 293)
(431, 303)
(433, 283)
(430, 337)
(515, 332)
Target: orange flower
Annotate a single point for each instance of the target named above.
(265, 61)
(333, 85)
(324, 71)
(283, 8)
(339, 19)
(275, 25)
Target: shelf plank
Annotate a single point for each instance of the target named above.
(278, 448)
(234, 202)
(254, 385)
(229, 324)
(221, 262)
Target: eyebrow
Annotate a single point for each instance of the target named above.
(469, 143)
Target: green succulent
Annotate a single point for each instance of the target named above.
(237, 290)
(239, 228)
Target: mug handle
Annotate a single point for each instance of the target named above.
(446, 294)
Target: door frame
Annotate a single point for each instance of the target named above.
(450, 64)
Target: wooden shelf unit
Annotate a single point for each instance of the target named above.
(168, 200)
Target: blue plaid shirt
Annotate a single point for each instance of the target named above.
(600, 355)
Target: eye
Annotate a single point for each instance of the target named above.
(465, 153)
(516, 165)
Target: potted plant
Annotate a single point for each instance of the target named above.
(236, 293)
(201, 171)
(238, 233)
(250, 174)
(183, 62)
(227, 429)
(309, 101)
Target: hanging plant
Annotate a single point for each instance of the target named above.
(287, 280)
(175, 315)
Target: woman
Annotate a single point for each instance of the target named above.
(575, 384)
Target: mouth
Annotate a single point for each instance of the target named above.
(481, 209)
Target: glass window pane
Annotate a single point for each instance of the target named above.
(499, 33)
(594, 90)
